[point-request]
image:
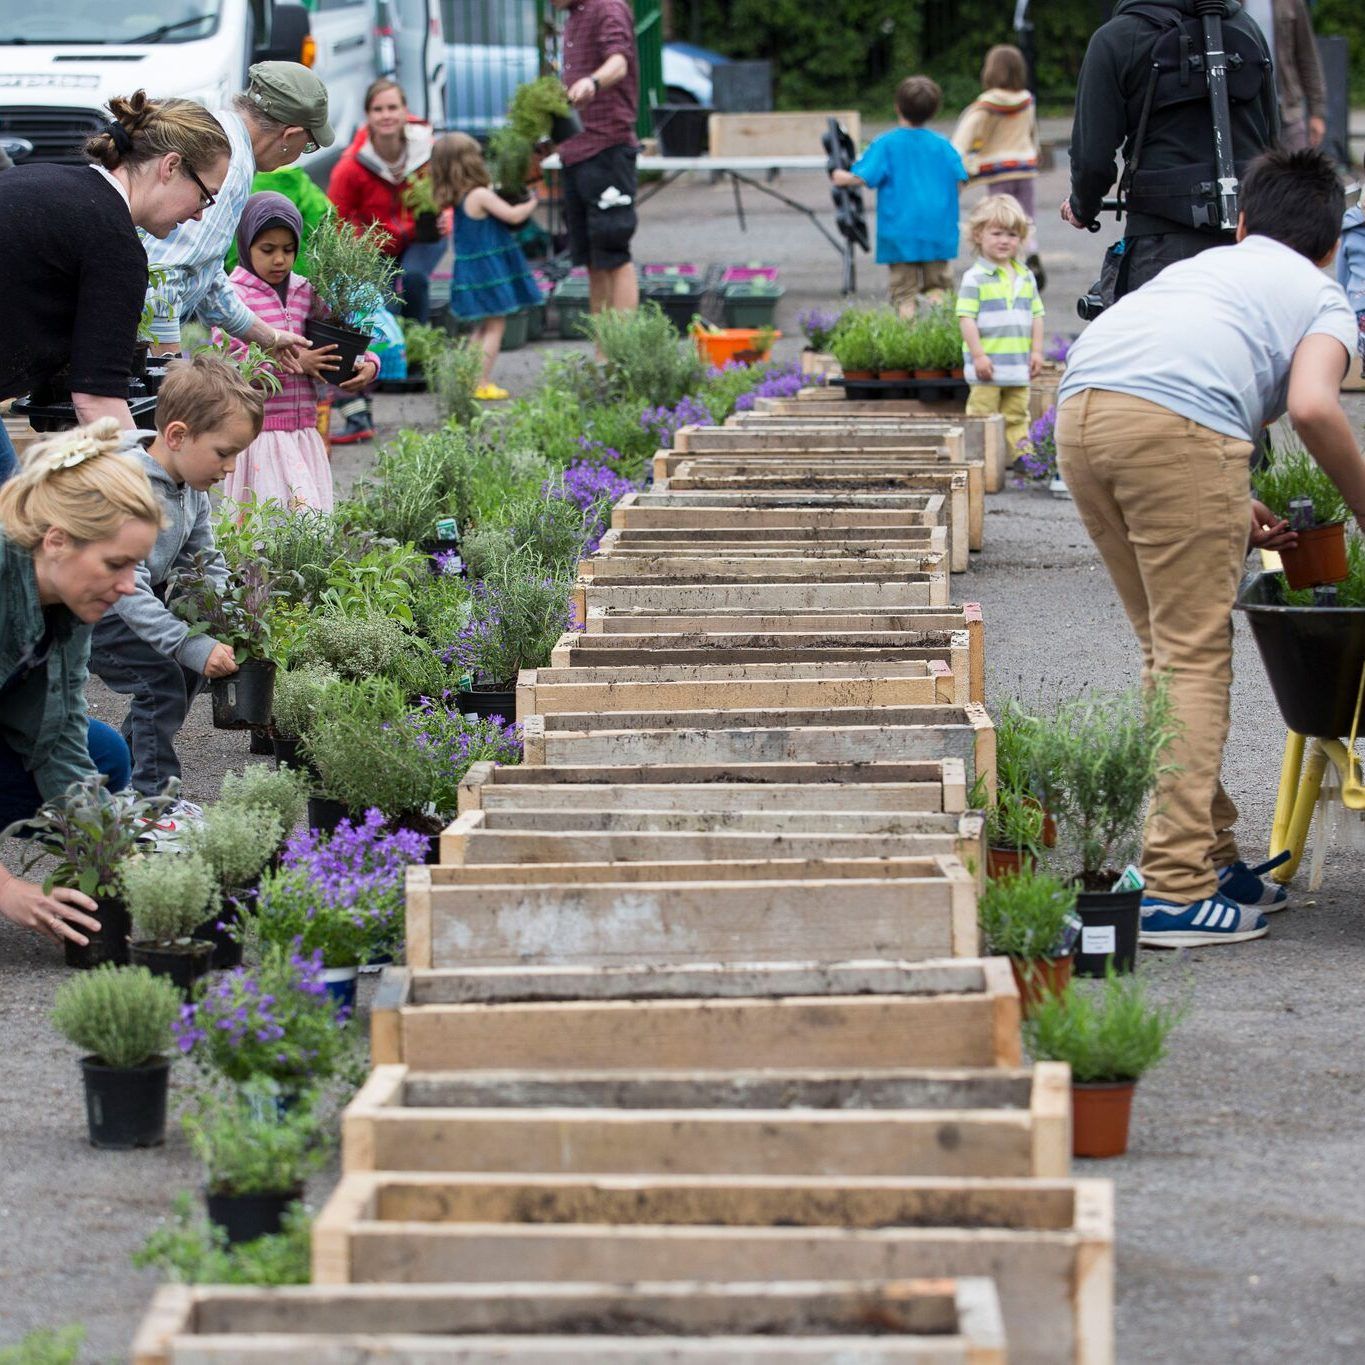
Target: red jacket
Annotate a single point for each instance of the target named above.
(365, 192)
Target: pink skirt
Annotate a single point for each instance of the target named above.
(289, 466)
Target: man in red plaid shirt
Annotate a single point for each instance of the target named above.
(599, 71)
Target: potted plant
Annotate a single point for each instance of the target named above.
(277, 1020)
(340, 895)
(853, 344)
(122, 1017)
(1014, 831)
(1096, 761)
(509, 163)
(421, 203)
(282, 791)
(351, 276)
(255, 1160)
(189, 1250)
(1297, 489)
(237, 841)
(897, 345)
(298, 691)
(168, 896)
(91, 830)
(817, 325)
(1030, 917)
(540, 109)
(238, 614)
(1110, 1037)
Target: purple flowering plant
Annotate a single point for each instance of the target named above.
(779, 381)
(662, 423)
(274, 1020)
(340, 894)
(1036, 454)
(818, 324)
(456, 742)
(1058, 347)
(514, 623)
(593, 488)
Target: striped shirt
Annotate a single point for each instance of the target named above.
(192, 256)
(1003, 301)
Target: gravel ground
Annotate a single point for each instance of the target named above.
(1239, 1224)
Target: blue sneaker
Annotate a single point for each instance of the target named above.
(1168, 924)
(1244, 884)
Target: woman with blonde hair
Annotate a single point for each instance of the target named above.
(74, 524)
(73, 272)
(491, 278)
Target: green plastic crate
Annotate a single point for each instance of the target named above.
(745, 308)
(518, 331)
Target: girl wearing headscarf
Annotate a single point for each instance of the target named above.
(287, 462)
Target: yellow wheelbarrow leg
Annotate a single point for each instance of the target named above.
(1301, 798)
(1290, 769)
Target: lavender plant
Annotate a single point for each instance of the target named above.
(662, 423)
(818, 325)
(1036, 454)
(516, 618)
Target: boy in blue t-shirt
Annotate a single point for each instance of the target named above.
(916, 174)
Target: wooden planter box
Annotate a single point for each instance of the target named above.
(704, 687)
(944, 1321)
(876, 1123)
(938, 785)
(1048, 1244)
(910, 909)
(829, 735)
(984, 437)
(749, 596)
(752, 511)
(842, 1016)
(754, 435)
(785, 564)
(827, 453)
(522, 839)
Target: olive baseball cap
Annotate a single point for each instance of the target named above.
(290, 93)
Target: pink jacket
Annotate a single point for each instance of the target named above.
(295, 407)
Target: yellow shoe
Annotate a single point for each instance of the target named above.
(491, 393)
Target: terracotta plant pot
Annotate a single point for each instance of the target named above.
(931, 374)
(893, 374)
(860, 374)
(1037, 977)
(1006, 862)
(1100, 1111)
(1318, 558)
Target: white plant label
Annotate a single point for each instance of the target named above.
(1099, 938)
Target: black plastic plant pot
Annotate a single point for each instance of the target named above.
(1109, 931)
(565, 126)
(126, 1105)
(183, 964)
(513, 197)
(1313, 656)
(261, 744)
(245, 1217)
(109, 944)
(425, 227)
(227, 951)
(244, 698)
(486, 702)
(325, 815)
(350, 344)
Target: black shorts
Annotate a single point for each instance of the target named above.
(600, 232)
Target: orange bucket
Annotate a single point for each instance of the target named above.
(727, 343)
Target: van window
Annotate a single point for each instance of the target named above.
(479, 23)
(96, 22)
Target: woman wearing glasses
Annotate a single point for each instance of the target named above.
(73, 271)
(281, 115)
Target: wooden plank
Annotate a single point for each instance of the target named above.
(853, 435)
(793, 134)
(859, 1016)
(911, 909)
(973, 1123)
(915, 590)
(828, 452)
(1047, 1243)
(789, 562)
(928, 1320)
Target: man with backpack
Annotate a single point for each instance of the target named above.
(1142, 89)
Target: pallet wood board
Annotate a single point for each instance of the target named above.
(930, 1322)
(913, 590)
(825, 437)
(935, 785)
(882, 1123)
(910, 909)
(828, 1016)
(795, 564)
(769, 134)
(1048, 1244)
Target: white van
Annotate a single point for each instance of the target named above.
(61, 62)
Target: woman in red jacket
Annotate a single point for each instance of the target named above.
(387, 155)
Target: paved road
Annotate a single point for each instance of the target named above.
(1240, 1213)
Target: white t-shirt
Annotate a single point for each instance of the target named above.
(1212, 338)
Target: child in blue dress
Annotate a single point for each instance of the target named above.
(490, 279)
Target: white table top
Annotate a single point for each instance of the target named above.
(750, 165)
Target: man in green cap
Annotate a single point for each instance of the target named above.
(281, 114)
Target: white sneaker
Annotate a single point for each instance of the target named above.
(1058, 488)
(175, 823)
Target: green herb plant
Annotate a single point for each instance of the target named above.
(644, 357)
(1291, 472)
(121, 1015)
(190, 1250)
(418, 197)
(351, 272)
(1027, 915)
(247, 1147)
(298, 691)
(46, 1346)
(853, 343)
(167, 895)
(282, 791)
(237, 841)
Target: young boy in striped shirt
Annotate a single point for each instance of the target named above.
(1001, 316)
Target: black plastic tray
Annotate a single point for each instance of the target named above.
(928, 390)
(62, 416)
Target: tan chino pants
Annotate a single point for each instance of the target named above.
(1167, 503)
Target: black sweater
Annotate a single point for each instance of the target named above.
(73, 276)
(1109, 95)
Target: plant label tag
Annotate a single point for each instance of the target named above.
(1098, 938)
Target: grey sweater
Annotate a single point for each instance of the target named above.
(189, 529)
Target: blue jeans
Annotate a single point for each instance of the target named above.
(418, 261)
(9, 461)
(19, 796)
